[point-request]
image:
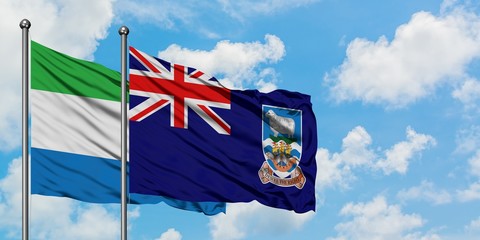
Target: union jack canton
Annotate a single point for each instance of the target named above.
(166, 84)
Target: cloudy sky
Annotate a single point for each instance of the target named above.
(395, 87)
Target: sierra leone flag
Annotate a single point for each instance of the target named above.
(75, 132)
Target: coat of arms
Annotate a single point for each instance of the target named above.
(282, 147)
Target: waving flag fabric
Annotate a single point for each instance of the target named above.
(75, 148)
(193, 139)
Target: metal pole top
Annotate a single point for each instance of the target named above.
(26, 24)
(122, 31)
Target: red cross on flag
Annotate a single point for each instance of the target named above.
(165, 84)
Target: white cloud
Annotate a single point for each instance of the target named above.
(468, 140)
(196, 16)
(425, 191)
(336, 168)
(470, 194)
(468, 93)
(243, 9)
(73, 27)
(134, 213)
(420, 236)
(164, 13)
(334, 172)
(268, 80)
(52, 217)
(398, 157)
(11, 196)
(247, 219)
(410, 67)
(473, 226)
(170, 234)
(474, 163)
(357, 152)
(238, 63)
(90, 222)
(377, 220)
(448, 5)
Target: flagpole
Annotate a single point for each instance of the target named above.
(123, 31)
(25, 26)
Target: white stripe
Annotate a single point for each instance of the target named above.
(152, 99)
(164, 72)
(192, 101)
(149, 74)
(204, 79)
(195, 107)
(73, 124)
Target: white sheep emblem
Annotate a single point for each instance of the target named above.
(279, 124)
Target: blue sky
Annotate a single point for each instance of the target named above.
(395, 88)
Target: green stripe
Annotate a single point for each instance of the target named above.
(56, 72)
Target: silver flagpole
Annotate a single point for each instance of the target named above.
(25, 26)
(123, 31)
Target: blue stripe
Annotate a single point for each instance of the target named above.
(95, 180)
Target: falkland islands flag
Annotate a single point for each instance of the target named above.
(193, 139)
(75, 131)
